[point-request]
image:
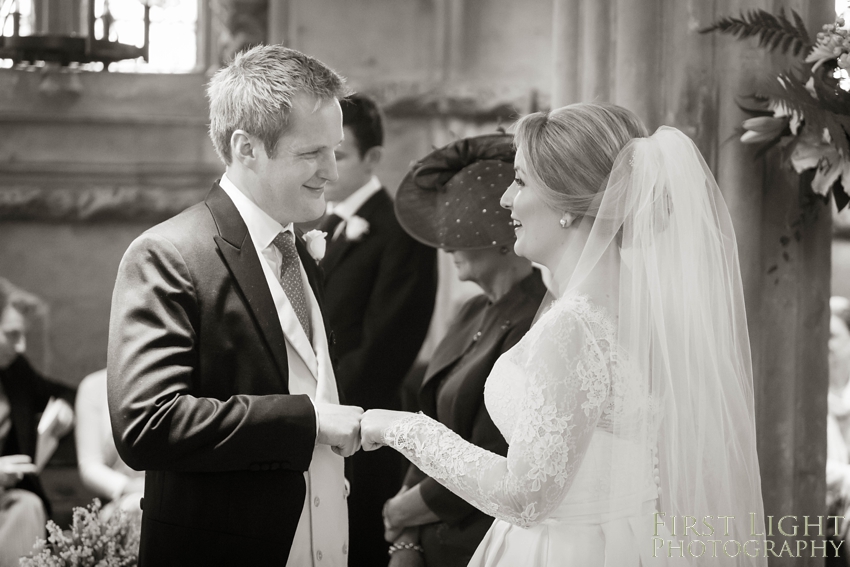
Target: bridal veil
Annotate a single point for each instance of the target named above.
(682, 328)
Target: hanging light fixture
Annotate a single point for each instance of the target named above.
(64, 48)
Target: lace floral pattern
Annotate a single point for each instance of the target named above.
(547, 396)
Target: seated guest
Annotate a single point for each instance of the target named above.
(101, 469)
(24, 394)
(450, 200)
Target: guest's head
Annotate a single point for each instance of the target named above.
(360, 152)
(563, 161)
(275, 120)
(450, 200)
(839, 342)
(16, 306)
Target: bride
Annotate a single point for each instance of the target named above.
(628, 406)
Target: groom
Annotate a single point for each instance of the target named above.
(219, 376)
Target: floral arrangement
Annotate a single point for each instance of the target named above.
(806, 111)
(91, 541)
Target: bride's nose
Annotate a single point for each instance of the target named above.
(507, 200)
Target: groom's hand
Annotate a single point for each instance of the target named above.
(339, 427)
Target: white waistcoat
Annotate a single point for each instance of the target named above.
(321, 538)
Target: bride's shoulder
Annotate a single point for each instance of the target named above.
(560, 315)
(578, 314)
(575, 306)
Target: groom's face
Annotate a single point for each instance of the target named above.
(292, 183)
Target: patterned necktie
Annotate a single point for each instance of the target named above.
(290, 278)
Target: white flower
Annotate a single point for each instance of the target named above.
(763, 128)
(813, 152)
(316, 243)
(781, 111)
(356, 228)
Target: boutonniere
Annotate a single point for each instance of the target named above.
(356, 228)
(316, 244)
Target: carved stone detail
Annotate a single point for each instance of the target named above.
(95, 204)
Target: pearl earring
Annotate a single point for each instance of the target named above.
(563, 223)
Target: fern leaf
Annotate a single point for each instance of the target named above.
(754, 106)
(802, 32)
(792, 93)
(774, 31)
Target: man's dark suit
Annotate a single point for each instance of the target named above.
(198, 393)
(28, 393)
(379, 297)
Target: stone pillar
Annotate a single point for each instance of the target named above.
(596, 49)
(639, 37)
(565, 57)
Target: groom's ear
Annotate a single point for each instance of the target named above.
(243, 148)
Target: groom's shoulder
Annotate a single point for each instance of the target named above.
(188, 225)
(190, 233)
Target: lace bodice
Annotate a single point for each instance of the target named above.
(558, 394)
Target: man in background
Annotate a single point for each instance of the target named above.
(24, 394)
(380, 287)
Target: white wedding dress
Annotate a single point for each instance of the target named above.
(558, 397)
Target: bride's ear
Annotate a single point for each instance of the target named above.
(567, 219)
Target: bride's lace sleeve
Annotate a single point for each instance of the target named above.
(566, 382)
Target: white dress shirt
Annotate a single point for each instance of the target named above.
(321, 538)
(349, 206)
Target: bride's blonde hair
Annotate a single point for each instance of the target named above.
(569, 151)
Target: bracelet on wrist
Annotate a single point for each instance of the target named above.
(405, 545)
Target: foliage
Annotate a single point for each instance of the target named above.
(91, 541)
(774, 32)
(805, 112)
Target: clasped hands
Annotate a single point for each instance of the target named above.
(347, 428)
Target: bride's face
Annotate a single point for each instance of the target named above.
(537, 225)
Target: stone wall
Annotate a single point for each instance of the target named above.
(90, 160)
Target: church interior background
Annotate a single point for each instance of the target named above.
(91, 157)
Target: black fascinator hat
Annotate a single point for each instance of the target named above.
(450, 198)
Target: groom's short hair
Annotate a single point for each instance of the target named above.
(255, 93)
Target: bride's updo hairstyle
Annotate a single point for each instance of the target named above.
(570, 151)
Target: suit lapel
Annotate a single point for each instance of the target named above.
(239, 254)
(339, 248)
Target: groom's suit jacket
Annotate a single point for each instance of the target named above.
(200, 393)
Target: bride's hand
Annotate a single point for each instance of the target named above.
(373, 424)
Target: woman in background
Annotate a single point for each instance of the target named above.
(450, 200)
